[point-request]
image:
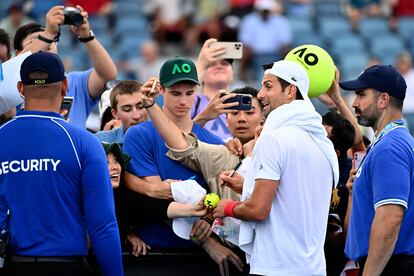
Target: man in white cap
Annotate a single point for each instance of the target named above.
(288, 186)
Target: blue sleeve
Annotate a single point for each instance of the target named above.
(140, 143)
(99, 208)
(104, 136)
(390, 174)
(82, 102)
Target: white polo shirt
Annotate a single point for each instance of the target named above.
(290, 241)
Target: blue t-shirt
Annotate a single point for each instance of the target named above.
(82, 102)
(115, 135)
(148, 152)
(54, 179)
(386, 176)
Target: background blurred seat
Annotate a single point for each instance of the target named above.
(373, 27)
(330, 26)
(352, 65)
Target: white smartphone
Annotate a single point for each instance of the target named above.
(234, 50)
(358, 157)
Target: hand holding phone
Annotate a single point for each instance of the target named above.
(66, 106)
(244, 101)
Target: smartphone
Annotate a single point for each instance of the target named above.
(358, 157)
(244, 100)
(234, 50)
(66, 105)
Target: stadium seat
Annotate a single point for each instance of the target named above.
(347, 44)
(352, 65)
(406, 27)
(309, 38)
(373, 27)
(300, 26)
(131, 25)
(386, 46)
(333, 26)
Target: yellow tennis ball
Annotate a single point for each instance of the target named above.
(318, 64)
(211, 200)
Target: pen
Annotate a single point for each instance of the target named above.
(153, 87)
(236, 168)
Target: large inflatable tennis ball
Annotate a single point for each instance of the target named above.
(211, 200)
(318, 64)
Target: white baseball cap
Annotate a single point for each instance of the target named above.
(293, 73)
(269, 5)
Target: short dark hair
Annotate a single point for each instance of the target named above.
(23, 32)
(5, 40)
(343, 132)
(126, 87)
(285, 84)
(248, 90)
(396, 103)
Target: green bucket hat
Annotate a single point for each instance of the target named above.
(115, 149)
(178, 69)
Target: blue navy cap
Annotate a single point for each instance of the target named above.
(45, 62)
(383, 78)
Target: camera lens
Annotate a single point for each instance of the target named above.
(246, 100)
(77, 19)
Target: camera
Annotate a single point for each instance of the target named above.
(72, 16)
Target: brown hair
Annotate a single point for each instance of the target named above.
(127, 87)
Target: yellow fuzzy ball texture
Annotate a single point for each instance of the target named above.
(318, 64)
(211, 200)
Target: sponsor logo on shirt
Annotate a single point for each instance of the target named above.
(28, 165)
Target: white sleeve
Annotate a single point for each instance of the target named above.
(269, 158)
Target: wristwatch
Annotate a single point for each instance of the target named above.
(89, 38)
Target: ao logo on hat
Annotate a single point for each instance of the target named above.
(185, 67)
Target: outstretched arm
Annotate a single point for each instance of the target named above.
(104, 68)
(172, 135)
(335, 94)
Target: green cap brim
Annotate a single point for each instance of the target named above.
(174, 81)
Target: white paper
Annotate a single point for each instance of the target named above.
(9, 95)
(187, 192)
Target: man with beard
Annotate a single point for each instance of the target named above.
(287, 190)
(380, 235)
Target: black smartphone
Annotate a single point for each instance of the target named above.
(244, 100)
(66, 105)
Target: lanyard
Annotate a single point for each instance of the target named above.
(389, 127)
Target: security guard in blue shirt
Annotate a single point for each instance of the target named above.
(54, 179)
